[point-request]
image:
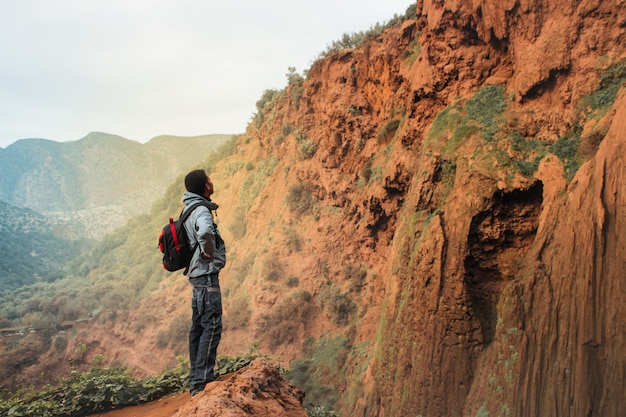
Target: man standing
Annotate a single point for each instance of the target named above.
(207, 261)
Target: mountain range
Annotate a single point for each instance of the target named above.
(99, 181)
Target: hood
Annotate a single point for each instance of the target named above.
(191, 198)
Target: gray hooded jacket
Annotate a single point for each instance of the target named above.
(202, 232)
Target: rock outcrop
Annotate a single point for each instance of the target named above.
(256, 390)
(439, 154)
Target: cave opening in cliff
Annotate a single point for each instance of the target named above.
(499, 239)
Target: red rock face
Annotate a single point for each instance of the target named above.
(497, 291)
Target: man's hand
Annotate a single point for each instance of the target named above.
(207, 256)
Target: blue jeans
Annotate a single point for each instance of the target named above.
(204, 336)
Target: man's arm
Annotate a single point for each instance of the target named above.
(205, 231)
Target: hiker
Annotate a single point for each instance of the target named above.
(208, 259)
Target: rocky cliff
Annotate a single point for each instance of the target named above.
(470, 163)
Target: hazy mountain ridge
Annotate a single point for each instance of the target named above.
(98, 170)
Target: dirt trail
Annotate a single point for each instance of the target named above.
(163, 407)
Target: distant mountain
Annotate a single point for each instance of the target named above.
(99, 172)
(34, 247)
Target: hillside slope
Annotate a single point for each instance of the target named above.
(33, 246)
(430, 223)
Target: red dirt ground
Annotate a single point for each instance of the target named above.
(164, 407)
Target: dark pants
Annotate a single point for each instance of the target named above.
(204, 336)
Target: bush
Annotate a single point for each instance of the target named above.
(300, 201)
(293, 281)
(272, 269)
(307, 149)
(286, 129)
(338, 306)
(293, 240)
(355, 275)
(566, 148)
(241, 269)
(268, 97)
(94, 391)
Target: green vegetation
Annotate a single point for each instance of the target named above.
(248, 193)
(104, 389)
(96, 390)
(36, 251)
(322, 363)
(485, 110)
(306, 147)
(293, 240)
(255, 182)
(272, 269)
(413, 52)
(264, 102)
(566, 149)
(370, 173)
(350, 41)
(484, 114)
(355, 275)
(292, 282)
(294, 83)
(336, 303)
(611, 80)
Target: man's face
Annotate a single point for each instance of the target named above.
(208, 187)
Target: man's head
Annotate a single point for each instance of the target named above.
(198, 182)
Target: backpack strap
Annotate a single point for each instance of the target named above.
(184, 215)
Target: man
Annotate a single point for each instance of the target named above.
(207, 261)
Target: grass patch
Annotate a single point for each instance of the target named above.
(612, 79)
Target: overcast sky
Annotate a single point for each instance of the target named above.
(143, 68)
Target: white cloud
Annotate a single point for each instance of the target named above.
(141, 68)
